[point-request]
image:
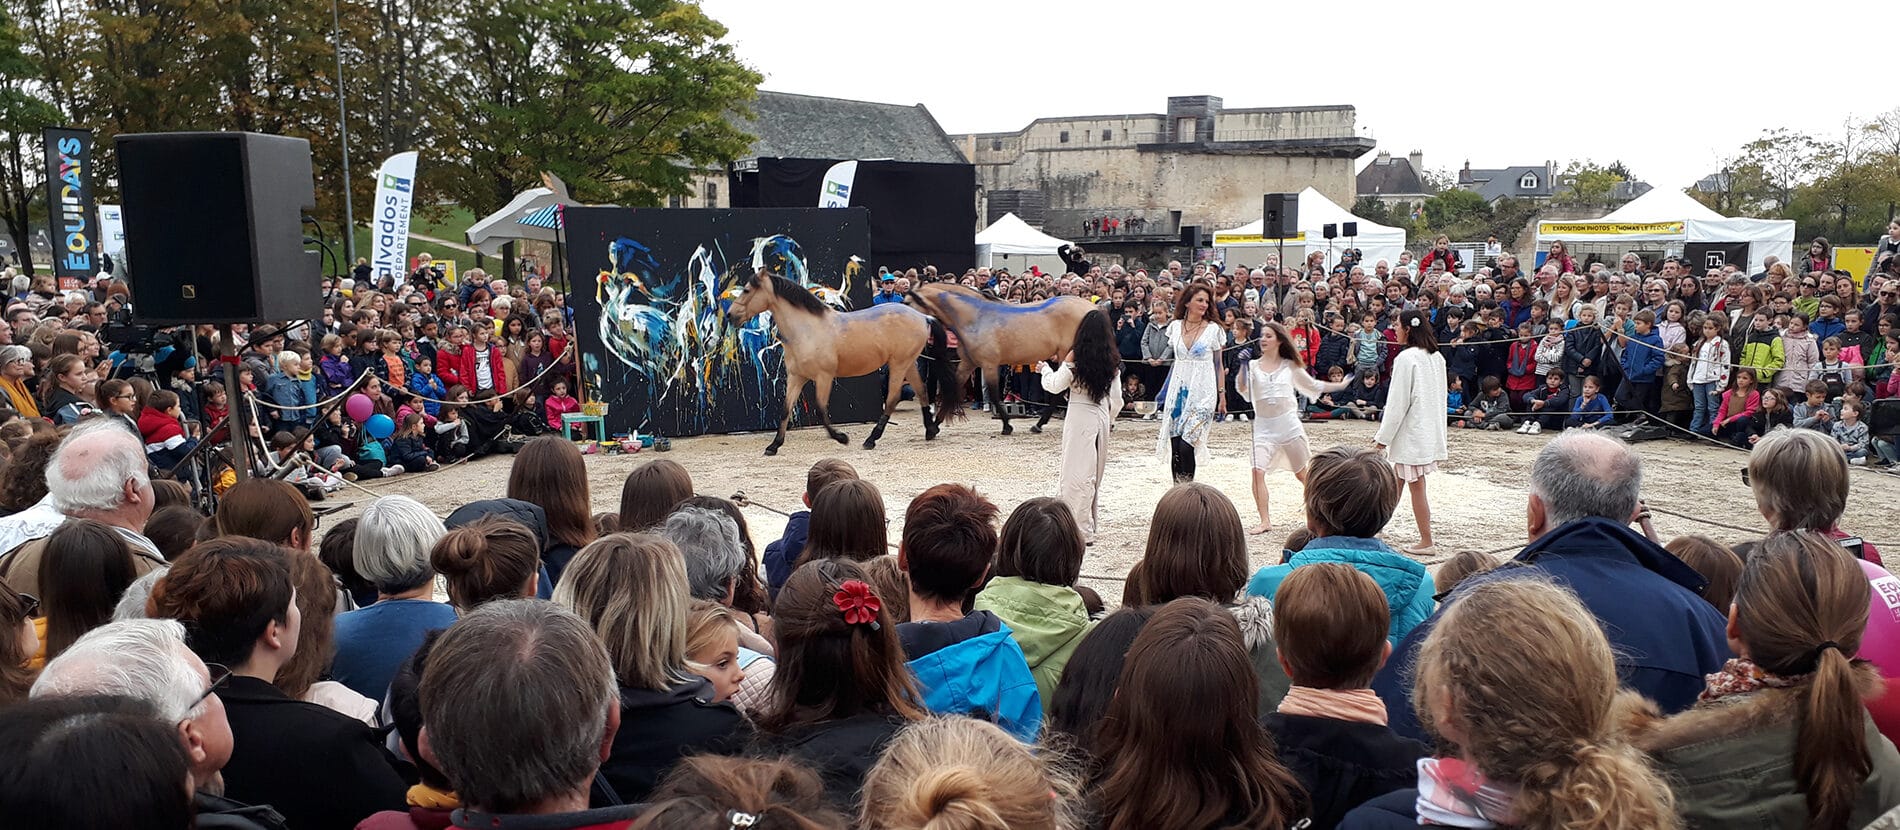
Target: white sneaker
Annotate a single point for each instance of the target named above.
(393, 470)
(1858, 461)
(1537, 428)
(1524, 428)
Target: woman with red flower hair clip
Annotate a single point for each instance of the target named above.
(841, 691)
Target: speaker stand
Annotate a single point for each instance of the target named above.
(239, 405)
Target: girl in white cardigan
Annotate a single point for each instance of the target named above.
(1091, 374)
(1413, 432)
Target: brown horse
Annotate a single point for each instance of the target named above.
(994, 334)
(822, 345)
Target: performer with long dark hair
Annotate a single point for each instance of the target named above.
(1091, 374)
(1269, 383)
(1413, 432)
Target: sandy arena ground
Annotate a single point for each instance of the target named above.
(1478, 499)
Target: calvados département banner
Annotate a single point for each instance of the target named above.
(1611, 228)
(395, 196)
(69, 195)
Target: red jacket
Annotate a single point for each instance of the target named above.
(461, 368)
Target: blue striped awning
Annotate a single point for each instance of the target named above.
(548, 217)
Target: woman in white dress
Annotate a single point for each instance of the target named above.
(1192, 395)
(1091, 374)
(1270, 381)
(1413, 432)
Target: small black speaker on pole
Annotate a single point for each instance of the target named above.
(1350, 229)
(214, 227)
(1190, 236)
(1280, 216)
(1329, 230)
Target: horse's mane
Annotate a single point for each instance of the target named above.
(799, 296)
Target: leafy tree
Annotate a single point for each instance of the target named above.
(23, 113)
(623, 99)
(1371, 209)
(1453, 205)
(1588, 183)
(1437, 181)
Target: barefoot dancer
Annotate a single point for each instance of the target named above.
(1269, 382)
(1413, 432)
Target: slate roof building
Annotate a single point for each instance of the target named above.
(1519, 182)
(1394, 180)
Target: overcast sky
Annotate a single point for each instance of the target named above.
(1669, 87)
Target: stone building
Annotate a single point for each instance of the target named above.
(1137, 180)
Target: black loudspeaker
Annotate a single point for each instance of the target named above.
(1350, 229)
(1190, 236)
(214, 227)
(1281, 216)
(1329, 230)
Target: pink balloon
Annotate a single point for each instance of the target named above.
(1880, 645)
(359, 407)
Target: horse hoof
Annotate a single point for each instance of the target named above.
(931, 434)
(771, 450)
(841, 438)
(1007, 429)
(869, 444)
(1037, 429)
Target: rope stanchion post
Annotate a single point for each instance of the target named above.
(240, 415)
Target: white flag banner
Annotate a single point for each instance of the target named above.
(395, 191)
(837, 188)
(112, 231)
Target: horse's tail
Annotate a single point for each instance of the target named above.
(945, 390)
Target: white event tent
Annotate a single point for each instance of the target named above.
(1670, 217)
(1374, 240)
(1018, 245)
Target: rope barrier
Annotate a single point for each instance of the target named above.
(319, 404)
(552, 365)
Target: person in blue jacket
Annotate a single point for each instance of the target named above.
(1350, 495)
(1590, 410)
(1584, 490)
(965, 664)
(782, 556)
(1642, 363)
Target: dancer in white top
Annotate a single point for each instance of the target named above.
(1091, 374)
(1270, 381)
(1413, 430)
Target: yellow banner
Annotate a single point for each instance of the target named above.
(1610, 228)
(1254, 239)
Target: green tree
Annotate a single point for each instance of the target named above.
(1371, 209)
(1590, 184)
(623, 99)
(1447, 208)
(23, 113)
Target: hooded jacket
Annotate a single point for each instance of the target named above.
(1731, 761)
(781, 555)
(841, 751)
(165, 441)
(1048, 622)
(974, 667)
(1642, 357)
(659, 727)
(1762, 351)
(1666, 636)
(1583, 343)
(1408, 587)
(554, 556)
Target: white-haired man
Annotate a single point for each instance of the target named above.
(148, 660)
(98, 472)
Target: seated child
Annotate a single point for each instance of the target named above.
(1322, 407)
(410, 450)
(559, 403)
(1813, 411)
(161, 427)
(1454, 395)
(780, 556)
(1363, 400)
(1492, 409)
(1591, 410)
(1547, 405)
(1852, 433)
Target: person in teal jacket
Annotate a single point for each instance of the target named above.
(1350, 495)
(966, 664)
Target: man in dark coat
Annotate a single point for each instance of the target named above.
(1584, 489)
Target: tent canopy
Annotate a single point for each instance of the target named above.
(1376, 241)
(491, 232)
(1011, 235)
(1671, 217)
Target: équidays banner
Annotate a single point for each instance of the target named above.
(69, 197)
(395, 196)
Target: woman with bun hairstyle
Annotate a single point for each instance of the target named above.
(958, 773)
(1786, 716)
(1182, 747)
(708, 792)
(1518, 685)
(1412, 433)
(489, 558)
(842, 691)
